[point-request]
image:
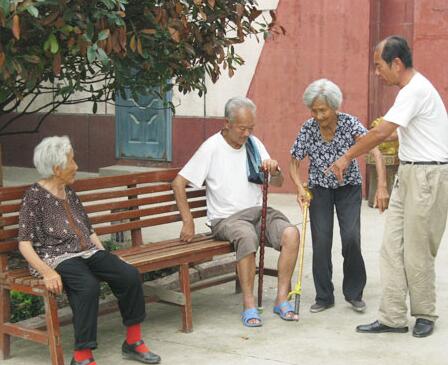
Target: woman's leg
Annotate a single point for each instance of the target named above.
(124, 281)
(348, 209)
(82, 289)
(321, 218)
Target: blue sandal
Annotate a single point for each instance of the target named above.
(251, 313)
(283, 309)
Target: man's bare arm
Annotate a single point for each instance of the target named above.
(179, 187)
(372, 139)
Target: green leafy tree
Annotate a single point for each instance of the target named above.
(88, 50)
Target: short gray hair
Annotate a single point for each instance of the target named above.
(236, 103)
(50, 152)
(325, 90)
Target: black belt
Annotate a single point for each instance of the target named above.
(423, 163)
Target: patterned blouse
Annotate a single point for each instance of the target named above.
(322, 154)
(59, 229)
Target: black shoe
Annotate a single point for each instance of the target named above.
(83, 362)
(316, 307)
(129, 352)
(423, 327)
(377, 327)
(358, 305)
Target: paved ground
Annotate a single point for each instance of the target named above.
(326, 338)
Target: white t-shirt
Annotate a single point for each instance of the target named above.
(224, 170)
(422, 120)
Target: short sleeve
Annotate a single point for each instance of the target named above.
(299, 148)
(405, 107)
(197, 168)
(357, 129)
(28, 218)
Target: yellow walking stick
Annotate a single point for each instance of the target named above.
(298, 289)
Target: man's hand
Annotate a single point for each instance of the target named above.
(381, 199)
(187, 231)
(338, 168)
(53, 282)
(271, 166)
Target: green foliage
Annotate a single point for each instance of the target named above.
(110, 245)
(99, 47)
(25, 306)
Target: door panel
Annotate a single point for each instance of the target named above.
(143, 128)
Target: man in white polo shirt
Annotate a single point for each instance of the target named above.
(234, 197)
(419, 202)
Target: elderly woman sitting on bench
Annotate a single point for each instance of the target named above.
(60, 245)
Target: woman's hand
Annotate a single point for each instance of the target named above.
(303, 196)
(53, 282)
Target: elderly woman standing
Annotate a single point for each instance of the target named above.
(326, 136)
(60, 245)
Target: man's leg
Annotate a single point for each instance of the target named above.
(239, 229)
(284, 237)
(424, 225)
(393, 308)
(246, 268)
(392, 313)
(286, 262)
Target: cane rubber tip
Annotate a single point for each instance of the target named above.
(260, 309)
(295, 317)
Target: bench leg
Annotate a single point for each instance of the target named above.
(54, 334)
(187, 313)
(5, 316)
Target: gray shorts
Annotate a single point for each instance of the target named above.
(242, 229)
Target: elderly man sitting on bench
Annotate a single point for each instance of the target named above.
(229, 163)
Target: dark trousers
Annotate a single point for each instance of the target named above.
(347, 200)
(81, 279)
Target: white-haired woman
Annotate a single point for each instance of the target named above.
(60, 245)
(326, 136)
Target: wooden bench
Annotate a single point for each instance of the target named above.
(114, 204)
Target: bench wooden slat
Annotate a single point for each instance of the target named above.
(130, 203)
(157, 245)
(113, 194)
(149, 250)
(9, 221)
(12, 192)
(122, 227)
(138, 213)
(166, 175)
(174, 252)
(10, 208)
(125, 204)
(8, 246)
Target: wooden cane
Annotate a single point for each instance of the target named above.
(264, 208)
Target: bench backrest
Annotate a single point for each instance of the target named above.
(114, 204)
